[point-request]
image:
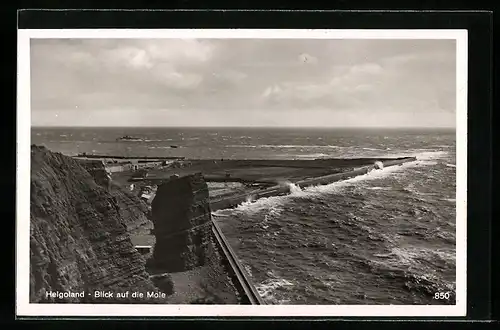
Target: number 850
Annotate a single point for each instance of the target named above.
(442, 295)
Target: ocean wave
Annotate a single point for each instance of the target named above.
(143, 140)
(426, 284)
(379, 188)
(247, 268)
(371, 175)
(431, 155)
(413, 267)
(167, 147)
(421, 155)
(313, 191)
(428, 162)
(291, 146)
(411, 257)
(254, 206)
(268, 287)
(69, 141)
(451, 165)
(320, 155)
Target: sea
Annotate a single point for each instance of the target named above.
(387, 237)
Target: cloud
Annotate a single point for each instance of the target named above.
(229, 76)
(423, 82)
(226, 77)
(307, 59)
(366, 68)
(335, 90)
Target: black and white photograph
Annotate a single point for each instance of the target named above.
(197, 172)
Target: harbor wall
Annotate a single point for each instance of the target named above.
(285, 189)
(86, 155)
(132, 166)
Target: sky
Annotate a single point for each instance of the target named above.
(243, 82)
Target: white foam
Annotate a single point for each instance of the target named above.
(428, 162)
(421, 155)
(371, 175)
(222, 213)
(319, 155)
(260, 204)
(294, 189)
(431, 155)
(283, 146)
(296, 146)
(248, 269)
(312, 191)
(267, 288)
(409, 256)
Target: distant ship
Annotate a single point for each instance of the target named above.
(129, 138)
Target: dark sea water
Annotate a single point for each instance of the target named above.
(387, 237)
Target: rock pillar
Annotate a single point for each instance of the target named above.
(182, 224)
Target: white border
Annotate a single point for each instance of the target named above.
(24, 308)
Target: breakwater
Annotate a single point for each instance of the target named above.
(326, 179)
(281, 189)
(85, 155)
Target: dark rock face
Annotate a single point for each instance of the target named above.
(97, 170)
(131, 208)
(79, 241)
(182, 224)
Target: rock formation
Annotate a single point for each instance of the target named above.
(182, 224)
(79, 240)
(185, 243)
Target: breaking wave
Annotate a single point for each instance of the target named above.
(251, 205)
(268, 288)
(319, 155)
(291, 146)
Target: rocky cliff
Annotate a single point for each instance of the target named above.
(79, 239)
(132, 209)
